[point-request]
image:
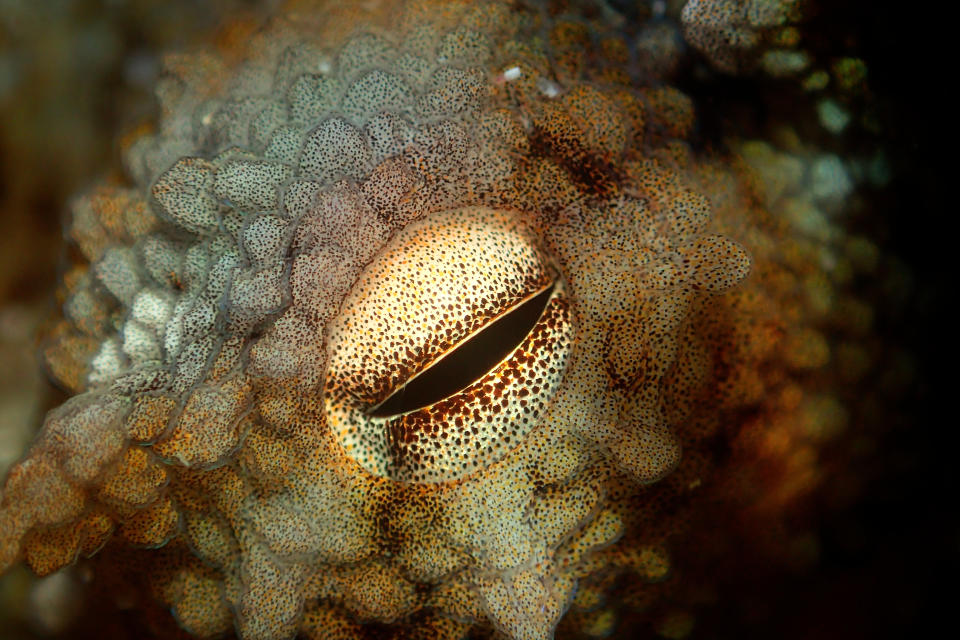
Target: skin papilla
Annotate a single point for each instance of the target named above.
(318, 225)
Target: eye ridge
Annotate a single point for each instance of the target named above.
(468, 361)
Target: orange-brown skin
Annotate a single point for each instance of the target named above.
(221, 425)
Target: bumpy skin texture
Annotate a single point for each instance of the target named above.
(735, 34)
(228, 325)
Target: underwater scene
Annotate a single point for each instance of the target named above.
(444, 319)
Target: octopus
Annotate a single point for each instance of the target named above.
(420, 320)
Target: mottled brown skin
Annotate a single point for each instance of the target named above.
(222, 480)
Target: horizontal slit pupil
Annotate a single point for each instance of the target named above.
(467, 362)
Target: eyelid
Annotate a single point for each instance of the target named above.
(479, 425)
(439, 280)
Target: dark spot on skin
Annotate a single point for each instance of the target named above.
(594, 175)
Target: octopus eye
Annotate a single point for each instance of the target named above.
(448, 349)
(469, 360)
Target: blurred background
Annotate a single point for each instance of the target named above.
(77, 75)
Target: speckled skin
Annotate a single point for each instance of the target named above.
(736, 34)
(233, 321)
